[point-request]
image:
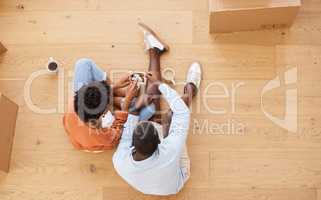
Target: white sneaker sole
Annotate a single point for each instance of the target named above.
(149, 30)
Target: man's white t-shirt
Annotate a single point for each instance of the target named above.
(160, 174)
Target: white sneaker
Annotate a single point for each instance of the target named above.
(194, 74)
(151, 40)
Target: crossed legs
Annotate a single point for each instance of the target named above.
(152, 92)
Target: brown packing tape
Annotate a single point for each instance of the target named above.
(8, 117)
(2, 48)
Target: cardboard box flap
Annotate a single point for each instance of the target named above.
(2, 48)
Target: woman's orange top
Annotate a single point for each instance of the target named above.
(85, 138)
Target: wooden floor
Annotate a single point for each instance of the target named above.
(259, 161)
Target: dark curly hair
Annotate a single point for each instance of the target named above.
(91, 100)
(145, 138)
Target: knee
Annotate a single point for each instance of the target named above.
(147, 112)
(83, 63)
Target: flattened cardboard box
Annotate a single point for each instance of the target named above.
(8, 117)
(2, 48)
(247, 15)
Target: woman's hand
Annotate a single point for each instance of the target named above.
(124, 81)
(131, 93)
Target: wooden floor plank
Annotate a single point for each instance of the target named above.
(112, 5)
(233, 62)
(57, 193)
(285, 169)
(42, 27)
(216, 194)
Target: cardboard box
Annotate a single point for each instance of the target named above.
(2, 48)
(247, 15)
(8, 117)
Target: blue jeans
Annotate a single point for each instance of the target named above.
(86, 71)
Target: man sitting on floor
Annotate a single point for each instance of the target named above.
(150, 157)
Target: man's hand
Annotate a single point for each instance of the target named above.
(124, 81)
(131, 93)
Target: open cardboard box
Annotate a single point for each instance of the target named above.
(246, 15)
(8, 117)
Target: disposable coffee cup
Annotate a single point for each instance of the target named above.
(52, 66)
